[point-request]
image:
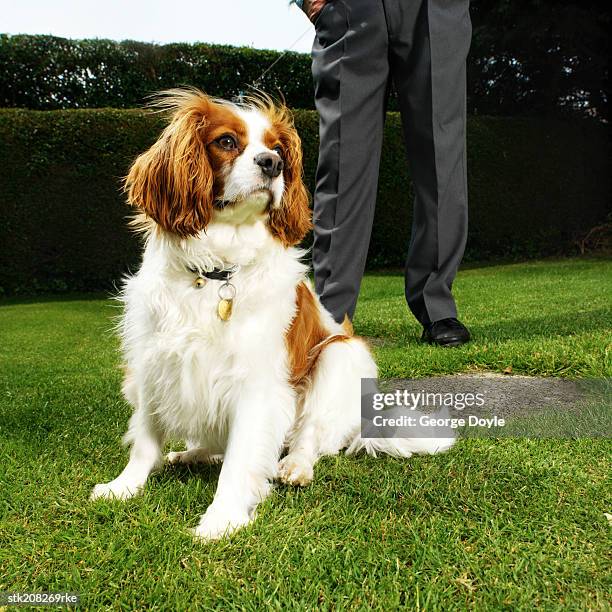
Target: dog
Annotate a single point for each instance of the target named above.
(225, 343)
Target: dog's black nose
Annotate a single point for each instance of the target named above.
(270, 163)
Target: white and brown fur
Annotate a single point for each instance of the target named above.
(280, 373)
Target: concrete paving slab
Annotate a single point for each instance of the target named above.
(504, 395)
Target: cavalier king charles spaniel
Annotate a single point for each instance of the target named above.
(226, 346)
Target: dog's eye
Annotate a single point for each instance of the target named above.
(279, 150)
(227, 142)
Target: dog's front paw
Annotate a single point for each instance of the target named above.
(218, 522)
(295, 470)
(192, 456)
(115, 489)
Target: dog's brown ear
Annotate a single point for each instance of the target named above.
(293, 219)
(172, 182)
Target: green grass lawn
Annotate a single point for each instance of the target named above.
(494, 524)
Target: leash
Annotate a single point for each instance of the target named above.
(257, 82)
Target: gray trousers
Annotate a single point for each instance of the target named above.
(359, 47)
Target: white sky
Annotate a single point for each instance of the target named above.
(263, 24)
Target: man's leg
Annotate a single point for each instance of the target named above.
(429, 42)
(350, 71)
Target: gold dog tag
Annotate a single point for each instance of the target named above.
(224, 309)
(227, 292)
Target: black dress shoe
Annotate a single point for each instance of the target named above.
(446, 332)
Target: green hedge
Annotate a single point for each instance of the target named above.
(49, 72)
(526, 58)
(534, 187)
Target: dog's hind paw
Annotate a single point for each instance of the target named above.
(295, 470)
(192, 456)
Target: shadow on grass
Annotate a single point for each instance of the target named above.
(56, 297)
(561, 324)
(538, 264)
(208, 472)
(523, 328)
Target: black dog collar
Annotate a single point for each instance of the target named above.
(222, 274)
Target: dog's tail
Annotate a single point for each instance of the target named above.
(400, 447)
(426, 435)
